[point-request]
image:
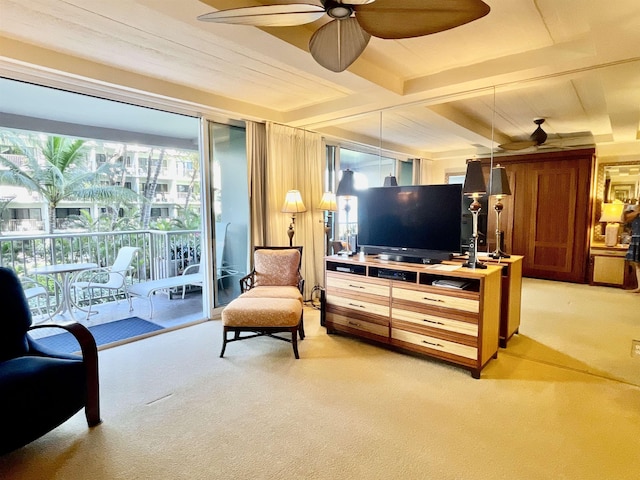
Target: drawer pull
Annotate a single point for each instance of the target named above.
(356, 305)
(433, 344)
(432, 299)
(356, 286)
(355, 324)
(432, 321)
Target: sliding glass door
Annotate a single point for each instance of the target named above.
(230, 208)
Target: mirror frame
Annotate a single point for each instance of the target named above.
(597, 235)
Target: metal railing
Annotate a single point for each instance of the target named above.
(162, 253)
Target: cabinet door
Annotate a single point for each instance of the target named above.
(551, 206)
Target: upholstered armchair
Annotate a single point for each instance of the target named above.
(274, 267)
(271, 300)
(39, 388)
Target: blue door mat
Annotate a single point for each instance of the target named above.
(104, 333)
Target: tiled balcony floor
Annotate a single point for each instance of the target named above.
(168, 313)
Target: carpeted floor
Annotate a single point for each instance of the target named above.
(561, 402)
(104, 334)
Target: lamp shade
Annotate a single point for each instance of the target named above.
(390, 181)
(293, 202)
(328, 202)
(499, 181)
(612, 212)
(474, 179)
(346, 186)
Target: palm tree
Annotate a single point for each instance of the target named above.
(56, 169)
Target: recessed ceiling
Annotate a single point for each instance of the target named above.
(458, 92)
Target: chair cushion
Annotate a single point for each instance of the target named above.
(16, 316)
(36, 395)
(284, 291)
(262, 312)
(276, 267)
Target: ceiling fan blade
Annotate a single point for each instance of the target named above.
(394, 19)
(518, 145)
(354, 2)
(267, 15)
(338, 44)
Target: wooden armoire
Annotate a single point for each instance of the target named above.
(547, 217)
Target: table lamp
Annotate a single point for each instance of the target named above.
(293, 204)
(612, 216)
(499, 189)
(346, 188)
(474, 187)
(329, 205)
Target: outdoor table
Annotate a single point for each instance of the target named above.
(66, 271)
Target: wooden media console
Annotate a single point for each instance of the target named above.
(444, 311)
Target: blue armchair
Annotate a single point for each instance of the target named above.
(40, 389)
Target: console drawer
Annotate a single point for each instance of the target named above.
(435, 321)
(359, 305)
(357, 286)
(434, 343)
(348, 323)
(465, 302)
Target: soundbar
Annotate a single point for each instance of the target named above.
(431, 260)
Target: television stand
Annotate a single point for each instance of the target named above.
(405, 258)
(413, 307)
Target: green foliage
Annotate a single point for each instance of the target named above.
(56, 168)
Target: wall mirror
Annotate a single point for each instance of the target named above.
(616, 181)
(621, 182)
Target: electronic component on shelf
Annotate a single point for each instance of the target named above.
(451, 283)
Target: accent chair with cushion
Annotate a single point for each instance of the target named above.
(271, 300)
(39, 388)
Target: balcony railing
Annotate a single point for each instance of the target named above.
(22, 225)
(162, 253)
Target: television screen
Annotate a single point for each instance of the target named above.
(416, 220)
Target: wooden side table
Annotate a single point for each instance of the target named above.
(609, 268)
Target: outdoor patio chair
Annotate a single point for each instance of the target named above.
(113, 278)
(38, 297)
(39, 388)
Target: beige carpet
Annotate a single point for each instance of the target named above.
(561, 402)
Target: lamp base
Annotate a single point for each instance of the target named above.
(611, 234)
(473, 262)
(498, 252)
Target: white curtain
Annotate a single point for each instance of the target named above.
(257, 159)
(295, 161)
(417, 172)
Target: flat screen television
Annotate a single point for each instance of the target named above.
(418, 223)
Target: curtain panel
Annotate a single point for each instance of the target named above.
(287, 159)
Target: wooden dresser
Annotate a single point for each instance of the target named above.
(511, 297)
(402, 305)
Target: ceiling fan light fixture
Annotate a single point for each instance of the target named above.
(539, 135)
(339, 12)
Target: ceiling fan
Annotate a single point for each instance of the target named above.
(537, 138)
(338, 43)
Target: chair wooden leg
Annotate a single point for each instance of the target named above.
(301, 327)
(224, 341)
(294, 341)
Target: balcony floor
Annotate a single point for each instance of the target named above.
(168, 313)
